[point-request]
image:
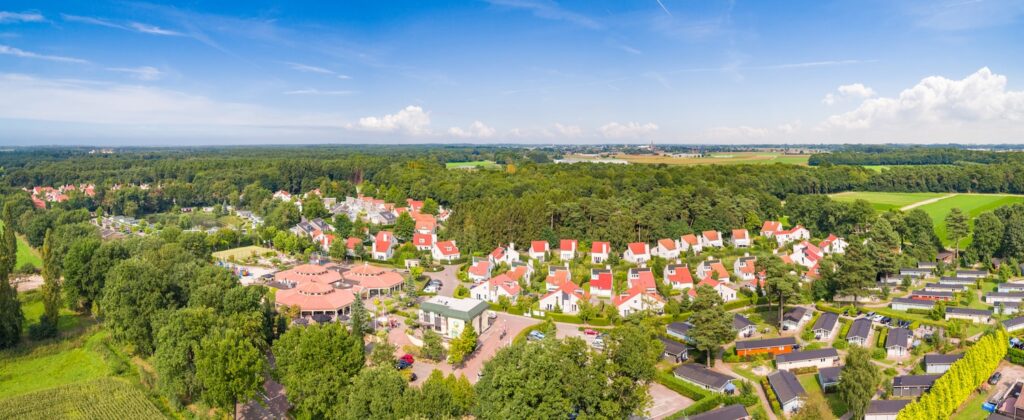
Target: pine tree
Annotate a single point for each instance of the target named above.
(956, 228)
(11, 316)
(358, 318)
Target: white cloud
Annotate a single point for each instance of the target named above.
(476, 130)
(744, 133)
(308, 68)
(92, 21)
(855, 90)
(319, 92)
(131, 26)
(153, 30)
(15, 17)
(8, 50)
(568, 130)
(410, 120)
(546, 9)
(146, 73)
(936, 100)
(614, 130)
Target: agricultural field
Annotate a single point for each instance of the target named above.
(26, 254)
(883, 201)
(239, 254)
(105, 398)
(476, 164)
(876, 168)
(731, 158)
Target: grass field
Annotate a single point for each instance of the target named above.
(106, 398)
(32, 308)
(25, 253)
(731, 158)
(876, 168)
(883, 201)
(972, 204)
(242, 253)
(484, 164)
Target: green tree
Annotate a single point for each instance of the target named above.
(462, 345)
(884, 246)
(313, 208)
(712, 325)
(177, 343)
(442, 397)
(859, 380)
(1013, 236)
(988, 236)
(376, 393)
(432, 348)
(856, 272)
(781, 284)
(230, 368)
(343, 226)
(136, 291)
(52, 299)
(813, 408)
(359, 318)
(316, 364)
(383, 354)
(405, 226)
(430, 207)
(11, 316)
(956, 228)
(9, 245)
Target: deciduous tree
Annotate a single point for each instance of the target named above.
(230, 368)
(316, 364)
(859, 381)
(712, 326)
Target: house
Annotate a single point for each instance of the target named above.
(926, 295)
(311, 288)
(498, 286)
(724, 290)
(690, 242)
(599, 252)
(980, 316)
(808, 358)
(712, 238)
(828, 377)
(912, 385)
(637, 253)
(972, 274)
(770, 228)
(557, 276)
(383, 245)
(423, 241)
(601, 282)
(916, 273)
(826, 326)
(788, 390)
(1006, 308)
(679, 330)
(795, 317)
(833, 245)
(775, 346)
(905, 304)
(743, 326)
(504, 255)
(566, 298)
(480, 270)
(805, 254)
(884, 409)
(283, 196)
(796, 233)
(567, 249)
(714, 269)
(745, 267)
(678, 276)
(729, 412)
(897, 342)
(667, 248)
(642, 294)
(352, 246)
(940, 363)
(1010, 287)
(521, 271)
(740, 238)
(927, 265)
(1014, 324)
(704, 378)
(675, 351)
(449, 316)
(1004, 297)
(962, 281)
(859, 332)
(951, 288)
(539, 250)
(445, 251)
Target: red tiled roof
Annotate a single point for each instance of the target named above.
(352, 242)
(708, 281)
(748, 267)
(690, 239)
(711, 235)
(373, 277)
(558, 277)
(771, 226)
(603, 281)
(682, 275)
(422, 239)
(308, 273)
(505, 282)
(538, 246)
(739, 234)
(517, 272)
(447, 248)
(569, 288)
(480, 268)
(638, 248)
(600, 248)
(667, 244)
(567, 245)
(382, 241)
(498, 253)
(644, 280)
(791, 230)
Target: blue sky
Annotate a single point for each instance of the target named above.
(511, 71)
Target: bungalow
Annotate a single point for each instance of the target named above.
(667, 249)
(712, 238)
(884, 409)
(690, 243)
(927, 265)
(423, 241)
(997, 297)
(637, 253)
(916, 273)
(828, 377)
(770, 227)
(724, 290)
(906, 304)
(704, 378)
(1010, 287)
(797, 233)
(743, 326)
(740, 238)
(678, 276)
(480, 270)
(860, 332)
(972, 274)
(891, 280)
(1014, 324)
(795, 317)
(833, 245)
(445, 251)
(951, 288)
(897, 342)
(449, 316)
(826, 326)
(521, 271)
(940, 363)
(963, 281)
(498, 286)
(675, 351)
(638, 299)
(383, 245)
(566, 297)
(599, 252)
(679, 330)
(980, 316)
(506, 255)
(809, 358)
(729, 412)
(539, 250)
(601, 282)
(567, 249)
(712, 268)
(745, 267)
(1006, 308)
(926, 295)
(788, 390)
(775, 346)
(912, 385)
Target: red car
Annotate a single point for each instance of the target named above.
(589, 331)
(407, 358)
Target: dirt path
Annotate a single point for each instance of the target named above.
(925, 202)
(722, 367)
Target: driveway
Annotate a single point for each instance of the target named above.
(449, 279)
(665, 401)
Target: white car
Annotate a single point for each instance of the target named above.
(598, 343)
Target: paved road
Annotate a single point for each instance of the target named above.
(449, 279)
(666, 401)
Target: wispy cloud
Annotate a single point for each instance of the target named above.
(129, 26)
(664, 8)
(306, 68)
(319, 92)
(17, 17)
(146, 73)
(153, 30)
(91, 21)
(8, 50)
(548, 10)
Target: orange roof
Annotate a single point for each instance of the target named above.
(558, 277)
(600, 248)
(667, 244)
(569, 288)
(308, 273)
(498, 253)
(517, 272)
(771, 226)
(373, 277)
(690, 239)
(538, 246)
(739, 234)
(638, 248)
(680, 276)
(447, 248)
(711, 235)
(505, 282)
(352, 242)
(480, 268)
(315, 300)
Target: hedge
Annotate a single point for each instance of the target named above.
(844, 328)
(714, 401)
(776, 407)
(882, 335)
(954, 387)
(1015, 356)
(670, 381)
(736, 304)
(804, 370)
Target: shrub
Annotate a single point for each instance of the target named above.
(684, 388)
(803, 370)
(776, 408)
(878, 354)
(839, 344)
(1015, 356)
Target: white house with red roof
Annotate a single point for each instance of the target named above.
(445, 251)
(712, 238)
(521, 271)
(506, 255)
(498, 286)
(383, 245)
(690, 242)
(806, 254)
(667, 248)
(745, 267)
(740, 238)
(678, 276)
(712, 268)
(643, 278)
(566, 297)
(642, 294)
(283, 196)
(556, 277)
(567, 249)
(601, 282)
(599, 252)
(637, 253)
(539, 250)
(424, 241)
(833, 245)
(796, 233)
(414, 205)
(352, 245)
(770, 228)
(480, 270)
(425, 223)
(727, 293)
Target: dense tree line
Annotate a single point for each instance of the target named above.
(918, 155)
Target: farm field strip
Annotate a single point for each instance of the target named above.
(734, 158)
(883, 201)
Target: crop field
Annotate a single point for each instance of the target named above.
(883, 201)
(242, 253)
(481, 164)
(105, 398)
(53, 365)
(25, 253)
(730, 158)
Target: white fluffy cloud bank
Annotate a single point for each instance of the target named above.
(475, 130)
(410, 120)
(630, 130)
(855, 90)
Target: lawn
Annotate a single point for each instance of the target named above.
(25, 253)
(810, 383)
(883, 201)
(972, 410)
(53, 365)
(485, 164)
(242, 253)
(972, 204)
(32, 308)
(725, 158)
(876, 168)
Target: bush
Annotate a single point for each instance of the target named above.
(776, 408)
(680, 386)
(803, 370)
(839, 345)
(1015, 356)
(878, 354)
(736, 304)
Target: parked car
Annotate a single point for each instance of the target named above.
(995, 378)
(402, 364)
(535, 335)
(877, 318)
(589, 331)
(597, 343)
(408, 358)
